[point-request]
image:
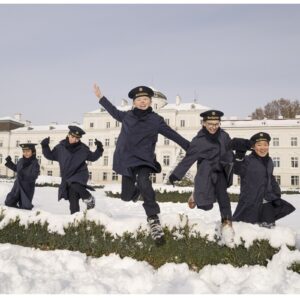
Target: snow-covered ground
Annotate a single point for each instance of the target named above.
(26, 270)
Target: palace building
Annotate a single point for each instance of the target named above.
(183, 117)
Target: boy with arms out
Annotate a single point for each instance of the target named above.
(134, 157)
(72, 154)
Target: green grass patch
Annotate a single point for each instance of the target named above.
(181, 246)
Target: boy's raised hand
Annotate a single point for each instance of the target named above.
(8, 158)
(45, 142)
(97, 91)
(99, 145)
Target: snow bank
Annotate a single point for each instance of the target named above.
(26, 270)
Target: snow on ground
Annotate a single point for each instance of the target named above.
(25, 270)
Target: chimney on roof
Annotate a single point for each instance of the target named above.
(178, 100)
(18, 116)
(124, 102)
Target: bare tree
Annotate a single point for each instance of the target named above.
(258, 114)
(273, 110)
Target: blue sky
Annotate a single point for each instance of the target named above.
(230, 57)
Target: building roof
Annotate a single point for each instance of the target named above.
(5, 119)
(259, 123)
(34, 128)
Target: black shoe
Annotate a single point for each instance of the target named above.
(156, 231)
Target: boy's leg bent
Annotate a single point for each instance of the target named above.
(145, 186)
(80, 190)
(129, 190)
(12, 200)
(223, 198)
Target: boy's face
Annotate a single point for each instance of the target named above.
(73, 139)
(212, 126)
(261, 148)
(27, 153)
(142, 102)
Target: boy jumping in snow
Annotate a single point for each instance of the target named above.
(211, 149)
(134, 157)
(72, 155)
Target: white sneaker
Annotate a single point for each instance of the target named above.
(227, 233)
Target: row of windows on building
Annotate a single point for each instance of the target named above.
(166, 160)
(294, 179)
(91, 142)
(116, 124)
(294, 162)
(107, 142)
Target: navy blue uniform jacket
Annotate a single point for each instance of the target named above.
(24, 185)
(211, 157)
(137, 140)
(73, 167)
(257, 183)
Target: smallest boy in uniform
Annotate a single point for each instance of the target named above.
(27, 169)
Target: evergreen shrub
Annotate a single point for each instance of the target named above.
(181, 246)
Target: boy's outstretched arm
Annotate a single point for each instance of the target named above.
(171, 134)
(9, 164)
(93, 156)
(51, 155)
(111, 109)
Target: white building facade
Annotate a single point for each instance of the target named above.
(183, 117)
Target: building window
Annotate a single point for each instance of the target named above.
(89, 163)
(1, 144)
(105, 160)
(164, 176)
(117, 124)
(294, 162)
(50, 162)
(1, 158)
(166, 141)
(276, 162)
(116, 139)
(107, 124)
(295, 180)
(294, 142)
(167, 121)
(276, 142)
(155, 106)
(278, 179)
(91, 142)
(49, 173)
(106, 142)
(238, 180)
(166, 160)
(39, 158)
(153, 177)
(104, 176)
(28, 141)
(91, 125)
(114, 176)
(90, 175)
(17, 143)
(16, 159)
(182, 123)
